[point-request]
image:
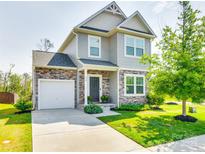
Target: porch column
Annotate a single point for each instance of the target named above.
(85, 87)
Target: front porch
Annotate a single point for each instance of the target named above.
(96, 83)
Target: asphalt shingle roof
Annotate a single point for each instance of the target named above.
(97, 62)
(41, 59)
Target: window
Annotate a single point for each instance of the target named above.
(94, 46)
(134, 85)
(139, 85)
(134, 46)
(130, 85)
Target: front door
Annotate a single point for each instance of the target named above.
(94, 85)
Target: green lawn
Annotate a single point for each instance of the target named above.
(16, 128)
(150, 128)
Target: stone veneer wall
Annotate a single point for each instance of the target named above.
(50, 73)
(105, 83)
(130, 99)
(81, 89)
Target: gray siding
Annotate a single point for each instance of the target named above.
(136, 24)
(113, 49)
(129, 62)
(72, 51)
(83, 47)
(105, 21)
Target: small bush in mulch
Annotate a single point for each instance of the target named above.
(93, 109)
(172, 103)
(23, 106)
(133, 107)
(185, 118)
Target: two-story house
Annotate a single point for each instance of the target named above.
(100, 56)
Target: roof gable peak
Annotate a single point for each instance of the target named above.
(111, 7)
(115, 9)
(137, 13)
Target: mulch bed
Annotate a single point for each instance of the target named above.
(21, 112)
(172, 103)
(185, 118)
(157, 108)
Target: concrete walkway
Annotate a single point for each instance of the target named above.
(72, 130)
(194, 144)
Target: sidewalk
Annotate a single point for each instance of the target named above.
(194, 144)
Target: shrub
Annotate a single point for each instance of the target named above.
(90, 99)
(23, 105)
(154, 100)
(104, 98)
(92, 109)
(133, 107)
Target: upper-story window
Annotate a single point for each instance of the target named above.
(134, 46)
(94, 46)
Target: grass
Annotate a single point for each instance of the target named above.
(150, 127)
(16, 128)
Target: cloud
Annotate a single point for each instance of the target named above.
(162, 5)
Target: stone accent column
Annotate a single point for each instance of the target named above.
(85, 87)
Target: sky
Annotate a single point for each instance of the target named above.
(23, 24)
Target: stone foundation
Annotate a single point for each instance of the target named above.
(130, 99)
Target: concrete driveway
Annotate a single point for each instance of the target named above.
(72, 130)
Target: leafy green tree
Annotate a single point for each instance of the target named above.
(1, 81)
(26, 87)
(5, 78)
(14, 85)
(180, 70)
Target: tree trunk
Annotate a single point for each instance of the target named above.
(184, 108)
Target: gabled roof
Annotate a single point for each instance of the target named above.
(51, 59)
(115, 9)
(111, 7)
(136, 13)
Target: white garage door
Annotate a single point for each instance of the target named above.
(56, 94)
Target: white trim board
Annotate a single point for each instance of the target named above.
(130, 69)
(57, 67)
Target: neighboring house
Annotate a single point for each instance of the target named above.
(100, 56)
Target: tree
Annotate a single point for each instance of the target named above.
(5, 78)
(180, 71)
(1, 81)
(14, 85)
(26, 87)
(45, 45)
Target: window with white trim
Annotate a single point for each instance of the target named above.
(134, 46)
(94, 45)
(134, 85)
